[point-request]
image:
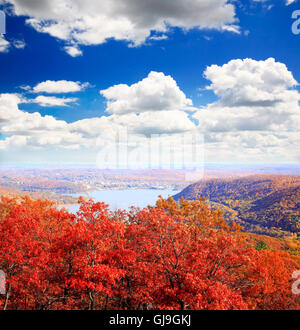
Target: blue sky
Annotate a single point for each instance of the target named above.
(258, 30)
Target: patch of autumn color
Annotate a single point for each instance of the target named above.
(170, 256)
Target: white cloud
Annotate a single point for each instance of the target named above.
(32, 131)
(139, 126)
(95, 127)
(157, 108)
(51, 101)
(159, 37)
(73, 51)
(60, 86)
(13, 142)
(157, 92)
(253, 95)
(94, 22)
(249, 82)
(18, 122)
(252, 147)
(4, 45)
(231, 28)
(162, 122)
(289, 2)
(256, 118)
(9, 106)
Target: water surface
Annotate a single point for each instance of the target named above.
(123, 199)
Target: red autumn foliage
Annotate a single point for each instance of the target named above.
(171, 256)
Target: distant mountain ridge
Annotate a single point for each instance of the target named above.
(266, 204)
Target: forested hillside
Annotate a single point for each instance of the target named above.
(266, 204)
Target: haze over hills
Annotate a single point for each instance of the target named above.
(73, 179)
(264, 204)
(261, 202)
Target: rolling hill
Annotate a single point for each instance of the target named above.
(262, 204)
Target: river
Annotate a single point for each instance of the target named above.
(123, 199)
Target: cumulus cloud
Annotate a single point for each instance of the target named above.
(51, 101)
(249, 82)
(60, 86)
(237, 127)
(149, 123)
(157, 92)
(250, 146)
(164, 115)
(32, 131)
(18, 122)
(93, 22)
(253, 95)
